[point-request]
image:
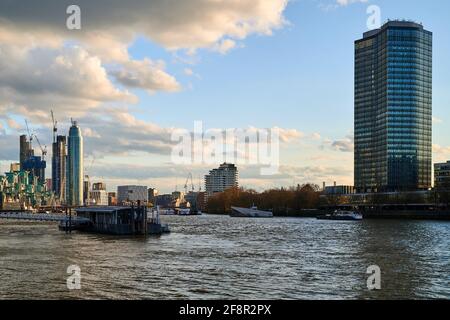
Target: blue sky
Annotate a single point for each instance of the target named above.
(130, 81)
(300, 77)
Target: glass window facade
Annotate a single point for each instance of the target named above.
(74, 179)
(393, 109)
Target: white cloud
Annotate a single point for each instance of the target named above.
(347, 2)
(437, 120)
(147, 75)
(70, 79)
(343, 145)
(224, 46)
(441, 153)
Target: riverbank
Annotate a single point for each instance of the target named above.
(382, 214)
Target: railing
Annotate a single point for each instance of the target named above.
(40, 217)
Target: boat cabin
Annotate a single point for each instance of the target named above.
(115, 220)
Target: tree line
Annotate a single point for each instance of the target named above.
(282, 201)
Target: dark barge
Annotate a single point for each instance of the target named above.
(118, 221)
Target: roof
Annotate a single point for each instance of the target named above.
(102, 209)
(392, 24)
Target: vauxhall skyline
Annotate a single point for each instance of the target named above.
(292, 68)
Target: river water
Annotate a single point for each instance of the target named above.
(217, 257)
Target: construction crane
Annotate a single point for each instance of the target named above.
(186, 184)
(30, 136)
(55, 128)
(43, 149)
(199, 184)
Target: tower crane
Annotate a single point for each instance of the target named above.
(55, 128)
(43, 149)
(186, 184)
(30, 136)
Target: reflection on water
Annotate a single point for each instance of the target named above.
(211, 257)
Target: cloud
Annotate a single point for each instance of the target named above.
(167, 176)
(9, 147)
(343, 145)
(289, 135)
(188, 72)
(89, 74)
(224, 46)
(441, 153)
(69, 78)
(174, 24)
(347, 2)
(147, 75)
(437, 120)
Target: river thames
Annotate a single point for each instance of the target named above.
(218, 257)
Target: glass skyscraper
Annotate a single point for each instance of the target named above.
(393, 108)
(59, 167)
(74, 176)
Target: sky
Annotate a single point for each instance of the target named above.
(136, 72)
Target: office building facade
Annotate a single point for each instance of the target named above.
(393, 108)
(59, 167)
(26, 150)
(75, 169)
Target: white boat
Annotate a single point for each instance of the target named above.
(252, 212)
(342, 215)
(165, 212)
(183, 212)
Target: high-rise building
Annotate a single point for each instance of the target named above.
(59, 167)
(74, 176)
(393, 102)
(220, 179)
(26, 150)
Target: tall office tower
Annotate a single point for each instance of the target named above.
(393, 102)
(26, 150)
(74, 176)
(220, 179)
(59, 167)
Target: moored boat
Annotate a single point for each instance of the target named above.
(252, 212)
(342, 215)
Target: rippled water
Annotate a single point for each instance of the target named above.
(209, 257)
